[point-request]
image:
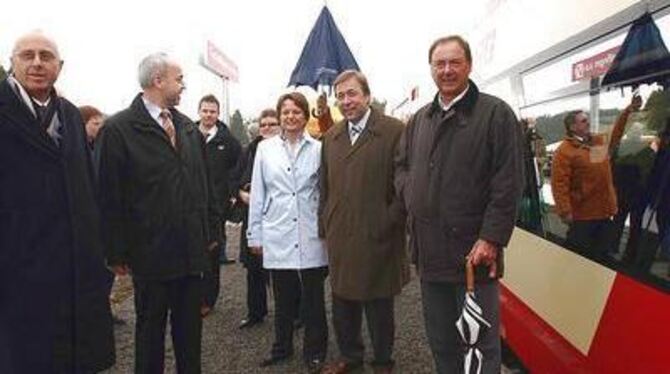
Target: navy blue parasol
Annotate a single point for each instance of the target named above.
(643, 57)
(324, 55)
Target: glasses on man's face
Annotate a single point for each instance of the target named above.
(441, 65)
(351, 93)
(29, 55)
(270, 124)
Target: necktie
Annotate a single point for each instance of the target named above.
(354, 132)
(41, 111)
(168, 126)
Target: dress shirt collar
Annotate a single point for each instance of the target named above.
(27, 99)
(446, 107)
(209, 133)
(362, 123)
(154, 110)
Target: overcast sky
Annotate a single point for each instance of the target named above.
(102, 43)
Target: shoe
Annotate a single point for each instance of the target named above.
(249, 322)
(273, 360)
(341, 367)
(315, 366)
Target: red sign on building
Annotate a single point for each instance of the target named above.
(216, 61)
(594, 66)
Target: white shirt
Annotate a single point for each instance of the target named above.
(284, 201)
(453, 102)
(362, 123)
(209, 133)
(154, 111)
(25, 97)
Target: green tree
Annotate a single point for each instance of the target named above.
(238, 128)
(658, 110)
(3, 74)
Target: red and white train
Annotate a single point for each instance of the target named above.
(561, 312)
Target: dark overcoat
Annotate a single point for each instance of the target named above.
(53, 288)
(223, 153)
(244, 170)
(361, 216)
(157, 214)
(461, 175)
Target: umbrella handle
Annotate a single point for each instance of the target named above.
(469, 276)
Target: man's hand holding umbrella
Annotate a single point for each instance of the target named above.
(484, 253)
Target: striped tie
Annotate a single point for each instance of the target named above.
(354, 132)
(168, 126)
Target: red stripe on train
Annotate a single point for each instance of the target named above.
(634, 332)
(538, 345)
(633, 335)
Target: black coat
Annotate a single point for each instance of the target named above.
(223, 153)
(461, 173)
(244, 170)
(53, 281)
(155, 203)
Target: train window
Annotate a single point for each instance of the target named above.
(556, 79)
(602, 186)
(502, 88)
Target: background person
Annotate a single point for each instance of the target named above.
(223, 152)
(257, 277)
(582, 184)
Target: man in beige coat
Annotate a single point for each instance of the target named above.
(363, 223)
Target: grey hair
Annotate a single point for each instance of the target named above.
(153, 65)
(36, 34)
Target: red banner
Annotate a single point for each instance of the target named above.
(594, 66)
(216, 61)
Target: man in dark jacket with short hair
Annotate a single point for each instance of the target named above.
(157, 216)
(54, 311)
(462, 181)
(223, 152)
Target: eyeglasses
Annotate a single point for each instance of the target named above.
(340, 96)
(440, 65)
(29, 55)
(264, 125)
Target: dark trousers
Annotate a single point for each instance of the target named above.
(442, 305)
(257, 279)
(308, 283)
(212, 277)
(153, 300)
(592, 238)
(347, 320)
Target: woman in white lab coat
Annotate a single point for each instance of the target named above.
(283, 227)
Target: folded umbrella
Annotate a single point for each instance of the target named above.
(471, 324)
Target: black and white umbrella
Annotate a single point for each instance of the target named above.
(471, 325)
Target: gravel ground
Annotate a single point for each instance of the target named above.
(226, 349)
